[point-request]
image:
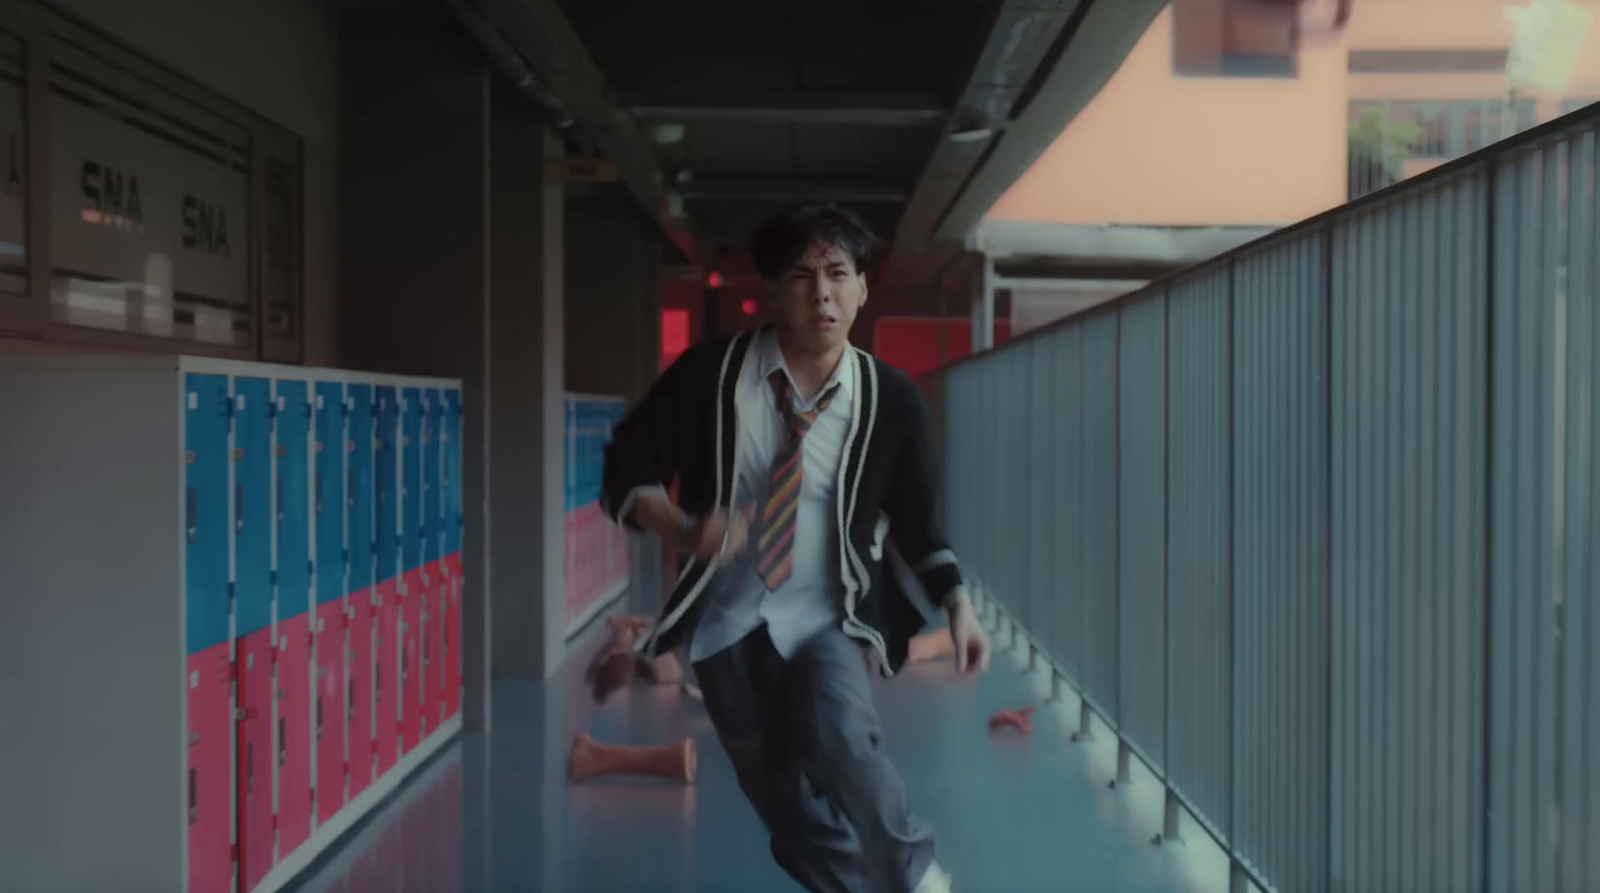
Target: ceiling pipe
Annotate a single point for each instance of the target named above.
(513, 65)
(573, 94)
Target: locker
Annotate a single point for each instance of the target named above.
(437, 584)
(255, 520)
(386, 610)
(411, 593)
(294, 658)
(360, 500)
(206, 620)
(329, 710)
(253, 585)
(453, 522)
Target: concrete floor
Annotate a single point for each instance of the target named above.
(494, 814)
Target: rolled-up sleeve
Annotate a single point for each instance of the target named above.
(645, 451)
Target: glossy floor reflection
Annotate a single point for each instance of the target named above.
(494, 814)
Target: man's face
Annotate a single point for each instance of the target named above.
(818, 297)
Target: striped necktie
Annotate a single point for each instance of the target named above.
(775, 561)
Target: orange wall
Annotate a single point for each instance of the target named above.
(1162, 150)
(1157, 149)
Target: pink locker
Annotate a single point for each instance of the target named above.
(452, 637)
(411, 660)
(359, 716)
(435, 656)
(329, 714)
(294, 733)
(386, 678)
(256, 755)
(210, 846)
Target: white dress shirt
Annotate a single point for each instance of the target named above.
(737, 600)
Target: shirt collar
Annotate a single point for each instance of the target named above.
(769, 359)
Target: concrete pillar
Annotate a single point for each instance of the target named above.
(613, 297)
(453, 267)
(614, 329)
(414, 233)
(526, 360)
(983, 306)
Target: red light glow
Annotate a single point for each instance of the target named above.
(749, 307)
(715, 279)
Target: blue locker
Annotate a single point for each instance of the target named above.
(293, 496)
(411, 480)
(209, 679)
(361, 430)
(385, 483)
(328, 505)
(452, 473)
(252, 508)
(432, 490)
(206, 508)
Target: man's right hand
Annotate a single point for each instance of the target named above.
(702, 537)
(718, 534)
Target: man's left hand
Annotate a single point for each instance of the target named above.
(971, 642)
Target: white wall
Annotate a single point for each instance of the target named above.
(280, 59)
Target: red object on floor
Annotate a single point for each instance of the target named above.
(1019, 718)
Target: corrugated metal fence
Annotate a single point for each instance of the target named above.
(1315, 528)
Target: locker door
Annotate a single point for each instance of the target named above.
(359, 507)
(435, 581)
(252, 532)
(452, 551)
(206, 620)
(386, 533)
(411, 591)
(328, 510)
(295, 693)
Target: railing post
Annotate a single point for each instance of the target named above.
(1124, 764)
(1238, 878)
(1172, 821)
(1085, 730)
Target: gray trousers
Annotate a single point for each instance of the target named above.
(806, 744)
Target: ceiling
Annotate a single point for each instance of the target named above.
(720, 112)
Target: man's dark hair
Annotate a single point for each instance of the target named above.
(784, 238)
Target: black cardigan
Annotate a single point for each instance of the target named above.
(686, 426)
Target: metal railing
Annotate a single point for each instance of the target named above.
(1315, 528)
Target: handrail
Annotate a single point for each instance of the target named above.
(1309, 526)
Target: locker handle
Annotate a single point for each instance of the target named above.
(318, 486)
(238, 504)
(280, 500)
(283, 744)
(319, 716)
(194, 812)
(191, 510)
